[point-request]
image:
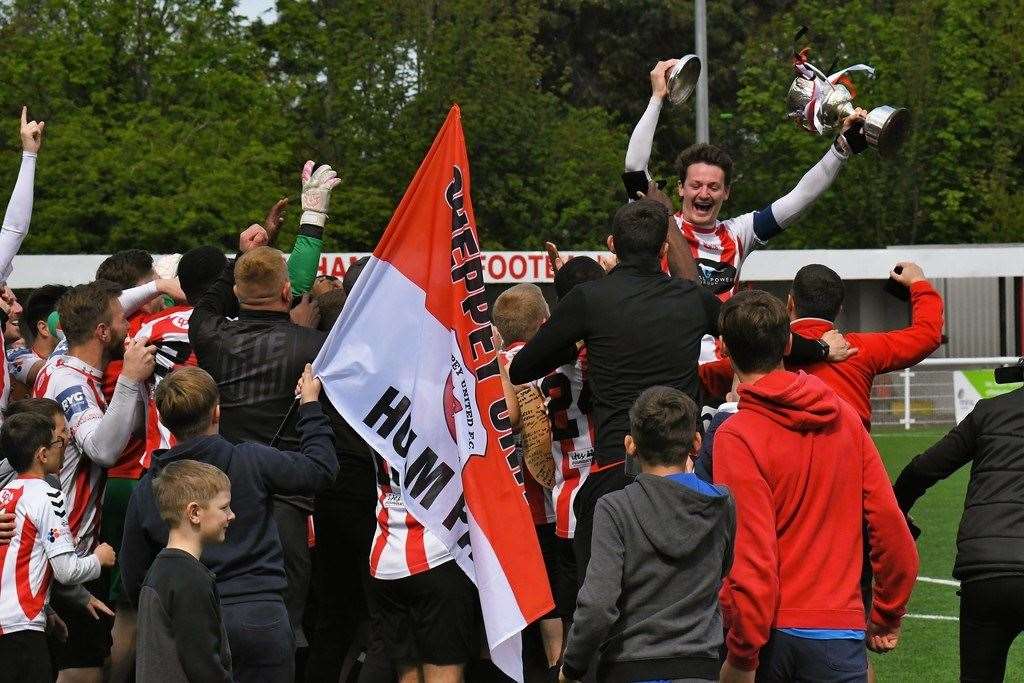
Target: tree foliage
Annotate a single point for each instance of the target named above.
(172, 123)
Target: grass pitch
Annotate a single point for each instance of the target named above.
(929, 649)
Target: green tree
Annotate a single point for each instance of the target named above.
(164, 129)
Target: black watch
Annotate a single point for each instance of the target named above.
(824, 348)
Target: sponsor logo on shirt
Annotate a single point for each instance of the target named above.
(580, 459)
(72, 401)
(5, 497)
(53, 535)
(393, 501)
(717, 277)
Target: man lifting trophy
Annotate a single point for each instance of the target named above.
(704, 175)
(820, 103)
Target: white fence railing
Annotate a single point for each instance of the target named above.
(923, 395)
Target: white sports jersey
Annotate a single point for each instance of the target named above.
(168, 332)
(401, 545)
(540, 499)
(20, 361)
(40, 532)
(78, 388)
(719, 253)
(572, 438)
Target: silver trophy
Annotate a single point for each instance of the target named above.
(820, 103)
(683, 79)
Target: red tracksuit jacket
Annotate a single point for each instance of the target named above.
(880, 352)
(805, 475)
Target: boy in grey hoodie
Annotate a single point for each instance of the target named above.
(648, 609)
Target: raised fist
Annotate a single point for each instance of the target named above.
(253, 236)
(31, 133)
(316, 193)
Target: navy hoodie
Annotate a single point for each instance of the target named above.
(249, 564)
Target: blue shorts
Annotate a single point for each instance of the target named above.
(791, 659)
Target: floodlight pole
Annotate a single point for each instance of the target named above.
(700, 28)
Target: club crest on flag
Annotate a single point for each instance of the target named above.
(411, 366)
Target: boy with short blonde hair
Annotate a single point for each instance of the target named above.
(181, 633)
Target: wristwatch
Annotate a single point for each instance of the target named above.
(824, 348)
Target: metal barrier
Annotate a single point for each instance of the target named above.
(923, 395)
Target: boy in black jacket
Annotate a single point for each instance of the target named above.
(181, 633)
(249, 564)
(649, 605)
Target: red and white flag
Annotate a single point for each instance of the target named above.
(411, 366)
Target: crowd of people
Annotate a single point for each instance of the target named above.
(713, 507)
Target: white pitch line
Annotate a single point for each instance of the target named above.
(941, 582)
(934, 617)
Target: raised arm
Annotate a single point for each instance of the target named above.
(786, 209)
(309, 243)
(900, 349)
(19, 208)
(638, 154)
(315, 466)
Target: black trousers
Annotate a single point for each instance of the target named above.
(344, 519)
(25, 657)
(991, 617)
(594, 486)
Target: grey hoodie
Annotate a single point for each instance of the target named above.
(649, 604)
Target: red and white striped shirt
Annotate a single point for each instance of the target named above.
(719, 253)
(401, 545)
(572, 438)
(77, 387)
(40, 533)
(540, 500)
(168, 332)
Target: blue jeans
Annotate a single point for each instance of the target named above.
(789, 659)
(261, 640)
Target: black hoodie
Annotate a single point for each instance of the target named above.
(649, 605)
(249, 564)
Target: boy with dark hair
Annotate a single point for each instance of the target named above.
(805, 475)
(181, 633)
(661, 547)
(42, 543)
(249, 566)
